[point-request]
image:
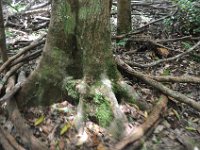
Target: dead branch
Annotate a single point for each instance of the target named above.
(176, 95)
(166, 59)
(153, 42)
(142, 129)
(178, 39)
(119, 37)
(137, 144)
(24, 50)
(41, 5)
(180, 79)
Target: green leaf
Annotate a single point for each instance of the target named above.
(122, 42)
(39, 120)
(190, 128)
(65, 128)
(166, 72)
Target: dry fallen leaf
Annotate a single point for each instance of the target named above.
(162, 51)
(101, 147)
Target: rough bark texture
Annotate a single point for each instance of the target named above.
(123, 16)
(78, 45)
(2, 36)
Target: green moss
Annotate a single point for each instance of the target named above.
(122, 93)
(112, 71)
(52, 70)
(68, 17)
(70, 86)
(89, 10)
(103, 111)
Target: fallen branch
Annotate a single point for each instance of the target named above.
(34, 44)
(119, 37)
(142, 129)
(176, 95)
(180, 79)
(137, 144)
(153, 42)
(166, 59)
(178, 39)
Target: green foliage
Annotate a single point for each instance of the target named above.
(166, 72)
(187, 20)
(70, 86)
(8, 33)
(103, 111)
(122, 93)
(195, 57)
(186, 45)
(122, 42)
(15, 7)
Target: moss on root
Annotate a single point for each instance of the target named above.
(103, 110)
(122, 93)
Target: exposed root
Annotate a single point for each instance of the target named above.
(141, 130)
(22, 128)
(178, 96)
(8, 141)
(100, 99)
(132, 96)
(179, 79)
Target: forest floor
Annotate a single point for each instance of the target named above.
(179, 125)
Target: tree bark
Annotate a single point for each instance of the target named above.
(2, 36)
(78, 45)
(123, 16)
(78, 56)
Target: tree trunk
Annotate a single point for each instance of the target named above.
(78, 56)
(123, 16)
(78, 45)
(2, 36)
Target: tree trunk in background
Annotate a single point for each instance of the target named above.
(2, 36)
(123, 16)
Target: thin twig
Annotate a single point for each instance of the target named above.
(166, 59)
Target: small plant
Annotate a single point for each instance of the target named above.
(187, 20)
(70, 86)
(122, 42)
(186, 45)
